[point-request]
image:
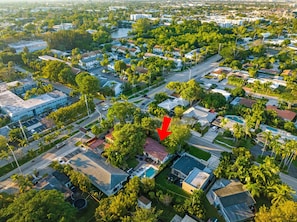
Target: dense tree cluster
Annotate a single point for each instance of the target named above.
(69, 39)
(128, 141)
(260, 179)
(190, 90)
(123, 206)
(57, 71)
(71, 113)
(39, 90)
(43, 205)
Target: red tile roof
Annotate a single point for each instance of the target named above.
(285, 114)
(155, 149)
(95, 143)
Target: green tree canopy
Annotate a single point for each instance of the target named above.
(43, 205)
(128, 141)
(284, 212)
(87, 84)
(178, 137)
(121, 111)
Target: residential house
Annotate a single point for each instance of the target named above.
(105, 177)
(90, 60)
(178, 62)
(234, 201)
(287, 72)
(226, 94)
(286, 115)
(143, 202)
(186, 218)
(268, 71)
(63, 26)
(199, 114)
(243, 101)
(192, 54)
(115, 86)
(155, 151)
(171, 103)
(196, 180)
(158, 49)
(51, 182)
(185, 164)
(62, 178)
(239, 74)
(220, 71)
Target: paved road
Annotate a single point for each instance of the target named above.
(196, 72)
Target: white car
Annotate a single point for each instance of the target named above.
(105, 107)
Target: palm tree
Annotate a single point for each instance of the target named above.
(237, 131)
(224, 121)
(254, 189)
(268, 137)
(280, 193)
(248, 125)
(23, 182)
(275, 145)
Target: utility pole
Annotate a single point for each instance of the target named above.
(87, 104)
(15, 159)
(190, 74)
(24, 134)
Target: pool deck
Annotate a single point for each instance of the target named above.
(143, 168)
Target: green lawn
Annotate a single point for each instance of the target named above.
(212, 212)
(88, 213)
(295, 162)
(168, 211)
(132, 162)
(201, 154)
(247, 143)
(163, 184)
(221, 138)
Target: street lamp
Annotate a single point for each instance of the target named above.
(100, 114)
(15, 159)
(190, 74)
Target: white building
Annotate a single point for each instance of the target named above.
(31, 45)
(116, 86)
(90, 60)
(199, 114)
(135, 17)
(191, 55)
(17, 108)
(223, 92)
(63, 26)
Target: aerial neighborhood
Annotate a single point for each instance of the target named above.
(174, 111)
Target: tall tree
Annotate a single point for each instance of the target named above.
(43, 205)
(287, 211)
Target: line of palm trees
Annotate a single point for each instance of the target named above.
(286, 150)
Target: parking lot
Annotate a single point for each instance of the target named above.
(31, 126)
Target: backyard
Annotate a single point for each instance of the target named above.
(179, 195)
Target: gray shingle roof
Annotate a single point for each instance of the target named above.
(104, 176)
(186, 164)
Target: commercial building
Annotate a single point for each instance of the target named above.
(17, 108)
(31, 45)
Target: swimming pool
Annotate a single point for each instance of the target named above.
(235, 118)
(271, 129)
(149, 173)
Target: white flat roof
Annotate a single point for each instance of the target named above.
(13, 104)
